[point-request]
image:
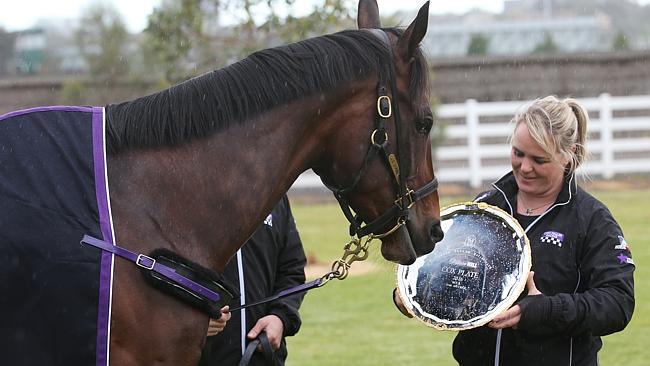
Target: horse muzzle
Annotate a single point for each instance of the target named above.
(410, 241)
(398, 247)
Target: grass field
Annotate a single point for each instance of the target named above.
(354, 322)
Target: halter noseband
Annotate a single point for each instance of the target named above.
(387, 107)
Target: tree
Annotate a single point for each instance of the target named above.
(620, 42)
(103, 42)
(185, 38)
(326, 17)
(61, 52)
(173, 31)
(478, 45)
(73, 92)
(546, 46)
(6, 51)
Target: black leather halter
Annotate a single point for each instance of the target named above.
(387, 107)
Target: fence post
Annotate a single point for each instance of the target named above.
(473, 143)
(606, 136)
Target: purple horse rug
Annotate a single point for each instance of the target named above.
(54, 293)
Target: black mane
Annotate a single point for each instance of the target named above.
(212, 102)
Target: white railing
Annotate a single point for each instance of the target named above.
(475, 149)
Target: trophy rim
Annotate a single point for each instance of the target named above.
(524, 265)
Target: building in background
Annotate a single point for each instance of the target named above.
(29, 51)
(541, 26)
(48, 49)
(520, 37)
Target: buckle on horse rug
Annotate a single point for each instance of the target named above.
(140, 261)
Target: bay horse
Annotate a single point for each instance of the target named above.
(195, 168)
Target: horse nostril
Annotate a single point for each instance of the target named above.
(436, 232)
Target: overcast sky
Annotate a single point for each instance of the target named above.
(22, 14)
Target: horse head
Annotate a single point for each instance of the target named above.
(390, 184)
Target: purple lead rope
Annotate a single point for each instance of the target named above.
(284, 293)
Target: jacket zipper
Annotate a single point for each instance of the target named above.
(497, 351)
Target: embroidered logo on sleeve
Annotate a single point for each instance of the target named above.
(269, 220)
(622, 244)
(624, 259)
(553, 237)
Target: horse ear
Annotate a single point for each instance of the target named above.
(413, 35)
(368, 14)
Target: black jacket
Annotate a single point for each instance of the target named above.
(584, 269)
(272, 260)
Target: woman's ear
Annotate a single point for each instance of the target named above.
(565, 159)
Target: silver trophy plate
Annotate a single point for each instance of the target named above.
(476, 272)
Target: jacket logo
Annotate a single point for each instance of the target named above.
(553, 237)
(269, 220)
(624, 259)
(622, 244)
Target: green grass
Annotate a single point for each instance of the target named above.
(354, 322)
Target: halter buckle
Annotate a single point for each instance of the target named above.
(380, 110)
(409, 196)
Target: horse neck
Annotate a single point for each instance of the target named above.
(205, 198)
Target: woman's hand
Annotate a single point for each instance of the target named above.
(511, 317)
(399, 304)
(216, 325)
(273, 327)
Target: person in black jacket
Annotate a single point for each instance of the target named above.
(581, 286)
(272, 260)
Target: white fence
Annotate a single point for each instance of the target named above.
(475, 148)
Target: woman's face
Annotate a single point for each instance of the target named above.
(535, 171)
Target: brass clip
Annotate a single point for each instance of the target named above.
(353, 251)
(409, 195)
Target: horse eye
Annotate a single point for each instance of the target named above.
(424, 124)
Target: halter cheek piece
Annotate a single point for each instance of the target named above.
(387, 107)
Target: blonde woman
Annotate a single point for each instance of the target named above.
(583, 286)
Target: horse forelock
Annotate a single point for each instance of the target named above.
(266, 79)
